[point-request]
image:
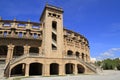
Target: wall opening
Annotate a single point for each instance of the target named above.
(69, 68)
(69, 52)
(54, 25)
(77, 54)
(54, 69)
(83, 56)
(80, 68)
(18, 51)
(35, 69)
(54, 37)
(3, 52)
(18, 70)
(34, 50)
(54, 47)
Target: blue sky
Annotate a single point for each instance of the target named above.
(98, 20)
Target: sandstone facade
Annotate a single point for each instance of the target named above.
(44, 48)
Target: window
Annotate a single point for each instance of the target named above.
(54, 37)
(54, 15)
(54, 25)
(49, 14)
(54, 47)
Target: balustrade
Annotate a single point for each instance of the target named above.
(18, 29)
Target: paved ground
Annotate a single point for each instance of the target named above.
(106, 75)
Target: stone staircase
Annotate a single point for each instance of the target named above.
(92, 67)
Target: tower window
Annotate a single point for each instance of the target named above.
(54, 15)
(54, 47)
(54, 37)
(54, 25)
(49, 14)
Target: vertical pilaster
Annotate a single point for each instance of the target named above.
(26, 49)
(75, 69)
(27, 70)
(10, 52)
(46, 70)
(61, 69)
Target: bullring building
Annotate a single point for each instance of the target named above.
(45, 48)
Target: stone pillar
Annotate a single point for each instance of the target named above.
(75, 69)
(26, 49)
(61, 69)
(46, 70)
(27, 70)
(80, 56)
(10, 52)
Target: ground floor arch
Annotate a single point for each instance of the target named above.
(69, 68)
(80, 69)
(54, 69)
(35, 69)
(18, 70)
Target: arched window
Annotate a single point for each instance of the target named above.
(69, 52)
(77, 54)
(83, 56)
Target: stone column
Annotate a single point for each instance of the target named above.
(61, 69)
(80, 56)
(27, 70)
(46, 70)
(26, 49)
(75, 69)
(10, 52)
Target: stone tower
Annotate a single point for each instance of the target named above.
(52, 19)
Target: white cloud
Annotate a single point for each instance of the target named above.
(111, 53)
(93, 59)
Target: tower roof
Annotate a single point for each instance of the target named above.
(48, 6)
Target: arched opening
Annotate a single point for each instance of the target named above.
(83, 56)
(69, 68)
(54, 25)
(34, 50)
(18, 70)
(18, 51)
(35, 69)
(80, 68)
(77, 54)
(54, 69)
(69, 53)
